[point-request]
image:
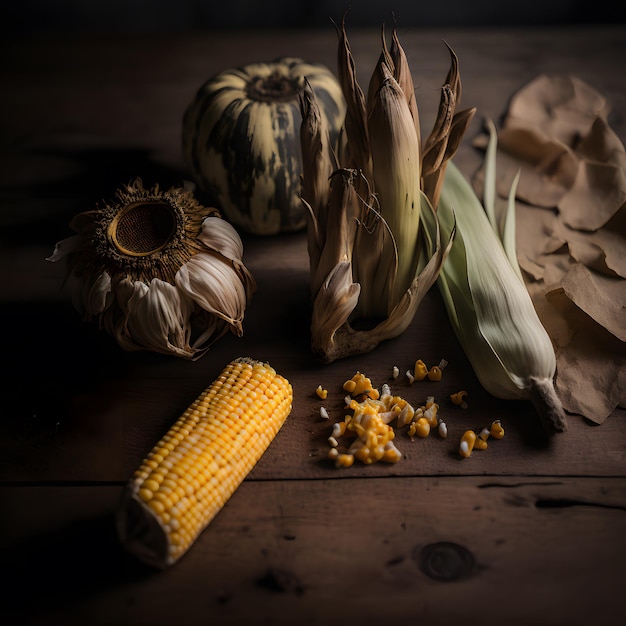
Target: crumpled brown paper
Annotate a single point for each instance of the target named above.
(571, 232)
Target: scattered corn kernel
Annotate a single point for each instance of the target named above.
(410, 377)
(480, 443)
(321, 392)
(333, 442)
(339, 429)
(349, 385)
(421, 427)
(442, 429)
(344, 460)
(458, 398)
(399, 408)
(467, 443)
(360, 385)
(430, 413)
(496, 430)
(373, 434)
(391, 453)
(484, 434)
(333, 453)
(324, 413)
(436, 371)
(395, 372)
(420, 370)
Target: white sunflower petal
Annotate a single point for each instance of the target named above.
(93, 295)
(217, 234)
(158, 317)
(66, 246)
(214, 286)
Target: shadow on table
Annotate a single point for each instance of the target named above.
(51, 571)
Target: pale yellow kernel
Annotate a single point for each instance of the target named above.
(430, 414)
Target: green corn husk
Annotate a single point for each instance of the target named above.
(488, 304)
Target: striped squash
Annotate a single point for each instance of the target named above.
(241, 140)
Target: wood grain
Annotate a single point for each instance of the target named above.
(542, 551)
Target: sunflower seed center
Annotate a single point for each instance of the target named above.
(143, 228)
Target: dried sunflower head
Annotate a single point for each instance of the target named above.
(160, 271)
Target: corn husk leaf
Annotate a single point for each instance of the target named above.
(489, 307)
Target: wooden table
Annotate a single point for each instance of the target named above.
(524, 532)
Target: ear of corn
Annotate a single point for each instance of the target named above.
(488, 304)
(194, 469)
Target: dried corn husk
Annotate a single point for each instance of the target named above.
(367, 251)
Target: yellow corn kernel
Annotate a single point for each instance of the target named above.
(480, 444)
(391, 453)
(344, 460)
(321, 392)
(373, 434)
(435, 373)
(420, 427)
(400, 409)
(349, 386)
(467, 443)
(496, 430)
(214, 445)
(360, 385)
(484, 434)
(420, 370)
(458, 398)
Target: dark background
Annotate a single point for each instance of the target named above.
(154, 16)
